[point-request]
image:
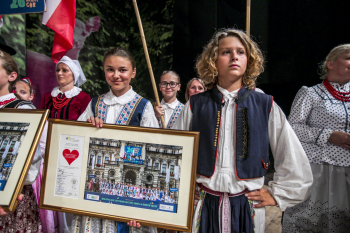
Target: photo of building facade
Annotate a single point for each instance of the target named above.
(11, 136)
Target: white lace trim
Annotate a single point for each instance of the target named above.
(7, 97)
(69, 94)
(111, 99)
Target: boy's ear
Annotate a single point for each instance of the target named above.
(31, 97)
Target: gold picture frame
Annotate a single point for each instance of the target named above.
(121, 173)
(20, 131)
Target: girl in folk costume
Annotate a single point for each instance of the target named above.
(26, 217)
(24, 89)
(122, 106)
(169, 107)
(67, 101)
(239, 124)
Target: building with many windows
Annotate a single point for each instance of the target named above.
(150, 165)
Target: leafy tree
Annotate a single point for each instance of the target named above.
(118, 28)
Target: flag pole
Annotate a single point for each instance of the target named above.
(147, 58)
(247, 22)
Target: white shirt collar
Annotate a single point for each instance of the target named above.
(170, 105)
(69, 94)
(111, 99)
(228, 95)
(7, 97)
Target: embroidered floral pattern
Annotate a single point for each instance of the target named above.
(128, 110)
(173, 117)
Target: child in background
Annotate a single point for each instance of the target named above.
(120, 68)
(26, 216)
(237, 122)
(24, 89)
(48, 218)
(169, 107)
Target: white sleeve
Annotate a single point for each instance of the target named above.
(148, 117)
(184, 121)
(86, 114)
(299, 114)
(34, 167)
(293, 177)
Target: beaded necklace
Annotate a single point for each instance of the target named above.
(342, 96)
(59, 103)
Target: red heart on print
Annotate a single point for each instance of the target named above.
(70, 156)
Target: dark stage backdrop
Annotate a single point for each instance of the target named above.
(295, 37)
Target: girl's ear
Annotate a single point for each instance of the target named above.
(133, 73)
(31, 97)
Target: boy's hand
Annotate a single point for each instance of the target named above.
(263, 196)
(98, 122)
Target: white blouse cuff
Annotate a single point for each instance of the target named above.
(323, 137)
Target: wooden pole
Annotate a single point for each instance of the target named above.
(247, 23)
(148, 59)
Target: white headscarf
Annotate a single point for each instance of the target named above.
(79, 77)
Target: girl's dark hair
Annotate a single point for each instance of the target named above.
(9, 64)
(121, 52)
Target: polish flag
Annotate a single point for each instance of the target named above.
(60, 17)
(1, 21)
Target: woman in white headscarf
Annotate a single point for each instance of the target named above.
(67, 101)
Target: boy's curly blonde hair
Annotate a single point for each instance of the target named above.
(206, 62)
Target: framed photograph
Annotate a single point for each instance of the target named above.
(20, 132)
(121, 173)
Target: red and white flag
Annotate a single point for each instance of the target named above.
(60, 17)
(1, 21)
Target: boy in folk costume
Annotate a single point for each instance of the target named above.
(237, 123)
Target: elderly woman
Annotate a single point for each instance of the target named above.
(194, 86)
(67, 101)
(320, 118)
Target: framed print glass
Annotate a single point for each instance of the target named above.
(20, 131)
(121, 173)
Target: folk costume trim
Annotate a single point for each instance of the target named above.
(128, 111)
(7, 101)
(101, 108)
(173, 117)
(17, 103)
(342, 96)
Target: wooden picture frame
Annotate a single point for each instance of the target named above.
(121, 173)
(20, 131)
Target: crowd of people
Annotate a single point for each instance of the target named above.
(134, 191)
(238, 123)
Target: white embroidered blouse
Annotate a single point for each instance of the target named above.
(168, 109)
(116, 104)
(292, 179)
(315, 114)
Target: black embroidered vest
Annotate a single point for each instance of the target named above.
(251, 140)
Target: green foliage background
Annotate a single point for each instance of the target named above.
(118, 28)
(13, 31)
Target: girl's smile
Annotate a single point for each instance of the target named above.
(118, 73)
